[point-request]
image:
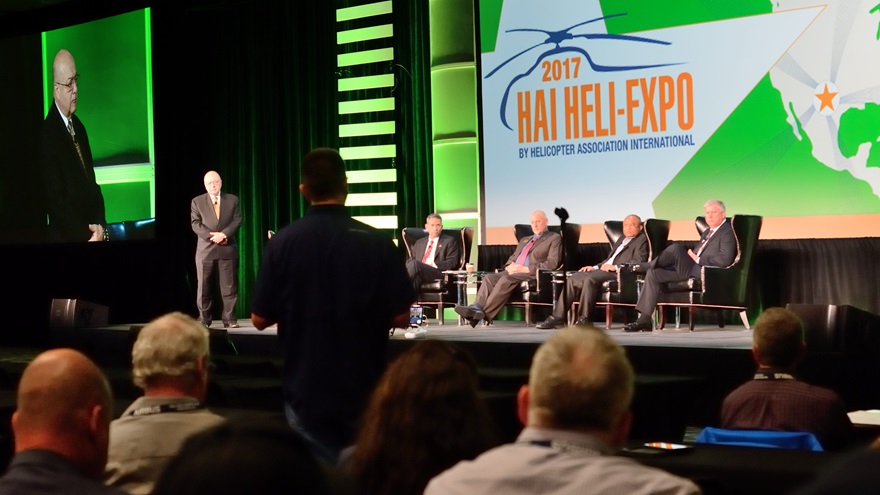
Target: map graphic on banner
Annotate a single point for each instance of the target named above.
(616, 107)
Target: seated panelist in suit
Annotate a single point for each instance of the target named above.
(717, 247)
(632, 247)
(432, 255)
(543, 250)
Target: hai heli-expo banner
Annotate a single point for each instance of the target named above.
(647, 107)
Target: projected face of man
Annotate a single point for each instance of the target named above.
(433, 226)
(213, 183)
(539, 222)
(632, 225)
(65, 91)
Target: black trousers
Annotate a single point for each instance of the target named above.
(225, 272)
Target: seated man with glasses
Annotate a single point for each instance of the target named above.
(74, 202)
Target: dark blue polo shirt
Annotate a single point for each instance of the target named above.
(333, 284)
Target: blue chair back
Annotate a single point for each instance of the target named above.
(792, 440)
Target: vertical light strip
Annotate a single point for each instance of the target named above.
(367, 132)
(149, 58)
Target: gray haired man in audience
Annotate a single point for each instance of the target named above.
(576, 411)
(169, 361)
(61, 425)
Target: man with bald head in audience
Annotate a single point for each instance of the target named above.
(61, 427)
(170, 363)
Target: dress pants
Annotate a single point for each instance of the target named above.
(583, 287)
(421, 273)
(672, 265)
(225, 270)
(496, 289)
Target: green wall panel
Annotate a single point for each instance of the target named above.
(456, 176)
(454, 104)
(452, 31)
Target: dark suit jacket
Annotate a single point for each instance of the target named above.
(546, 254)
(447, 254)
(204, 221)
(73, 198)
(38, 472)
(635, 251)
(720, 249)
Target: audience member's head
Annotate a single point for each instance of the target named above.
(244, 456)
(169, 357)
(323, 177)
(424, 416)
(64, 406)
(778, 339)
(580, 380)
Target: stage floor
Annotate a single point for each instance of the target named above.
(706, 336)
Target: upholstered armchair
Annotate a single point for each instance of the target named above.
(719, 287)
(445, 292)
(623, 291)
(541, 291)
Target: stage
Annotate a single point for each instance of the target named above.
(681, 376)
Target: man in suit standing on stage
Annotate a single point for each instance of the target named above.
(75, 205)
(543, 250)
(632, 246)
(215, 219)
(717, 247)
(432, 255)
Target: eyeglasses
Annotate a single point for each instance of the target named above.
(70, 84)
(213, 182)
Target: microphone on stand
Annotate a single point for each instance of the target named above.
(562, 213)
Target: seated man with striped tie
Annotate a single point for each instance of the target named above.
(543, 250)
(432, 255)
(717, 247)
(584, 286)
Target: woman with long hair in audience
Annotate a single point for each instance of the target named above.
(424, 416)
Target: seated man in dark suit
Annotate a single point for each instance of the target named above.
(543, 250)
(774, 399)
(584, 285)
(432, 255)
(717, 248)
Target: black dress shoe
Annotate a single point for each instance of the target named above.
(473, 314)
(638, 326)
(551, 322)
(584, 320)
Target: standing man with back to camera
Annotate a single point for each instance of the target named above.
(74, 202)
(215, 219)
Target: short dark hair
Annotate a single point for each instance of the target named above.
(275, 460)
(779, 337)
(323, 174)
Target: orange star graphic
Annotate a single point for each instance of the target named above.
(826, 98)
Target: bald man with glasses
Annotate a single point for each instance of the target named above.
(74, 202)
(215, 217)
